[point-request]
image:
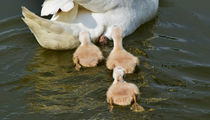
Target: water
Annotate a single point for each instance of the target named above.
(173, 76)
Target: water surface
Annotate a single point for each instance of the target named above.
(173, 76)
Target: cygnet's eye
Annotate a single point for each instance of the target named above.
(124, 76)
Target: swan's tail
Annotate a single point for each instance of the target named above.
(51, 34)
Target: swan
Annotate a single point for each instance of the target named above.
(70, 17)
(119, 56)
(87, 54)
(121, 92)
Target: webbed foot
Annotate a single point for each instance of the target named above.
(78, 66)
(111, 108)
(137, 108)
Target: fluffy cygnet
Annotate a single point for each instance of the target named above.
(87, 54)
(121, 92)
(119, 56)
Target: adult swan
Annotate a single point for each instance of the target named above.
(70, 17)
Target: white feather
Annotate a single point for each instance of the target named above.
(53, 6)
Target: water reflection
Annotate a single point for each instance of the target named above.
(57, 87)
(173, 76)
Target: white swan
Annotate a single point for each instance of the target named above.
(70, 17)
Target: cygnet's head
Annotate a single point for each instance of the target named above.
(118, 74)
(84, 37)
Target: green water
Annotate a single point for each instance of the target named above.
(173, 77)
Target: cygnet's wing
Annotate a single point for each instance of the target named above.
(50, 7)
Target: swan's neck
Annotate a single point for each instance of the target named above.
(118, 44)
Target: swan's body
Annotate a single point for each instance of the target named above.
(95, 16)
(119, 56)
(87, 54)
